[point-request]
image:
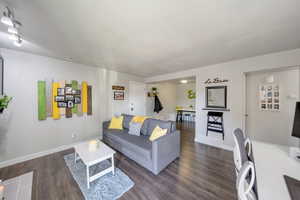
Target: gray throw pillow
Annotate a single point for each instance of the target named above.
(135, 128)
(127, 119)
(144, 128)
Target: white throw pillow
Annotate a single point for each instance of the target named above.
(135, 128)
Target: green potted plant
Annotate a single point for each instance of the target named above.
(4, 101)
(191, 94)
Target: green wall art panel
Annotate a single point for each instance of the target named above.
(75, 87)
(42, 102)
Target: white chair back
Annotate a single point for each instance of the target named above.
(245, 182)
(239, 151)
(248, 146)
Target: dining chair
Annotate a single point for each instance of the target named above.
(187, 117)
(247, 143)
(239, 152)
(245, 182)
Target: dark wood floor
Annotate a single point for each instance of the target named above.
(201, 173)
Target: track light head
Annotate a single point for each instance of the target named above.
(7, 17)
(19, 42)
(6, 20)
(12, 30)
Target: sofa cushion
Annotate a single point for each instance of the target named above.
(116, 123)
(173, 126)
(144, 128)
(135, 128)
(138, 145)
(139, 119)
(108, 132)
(157, 133)
(127, 119)
(162, 124)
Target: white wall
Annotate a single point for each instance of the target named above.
(234, 71)
(171, 94)
(137, 98)
(269, 126)
(182, 95)
(117, 107)
(167, 97)
(21, 133)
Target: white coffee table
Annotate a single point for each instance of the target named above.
(92, 157)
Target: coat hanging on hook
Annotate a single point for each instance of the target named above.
(157, 104)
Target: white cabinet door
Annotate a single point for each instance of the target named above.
(137, 98)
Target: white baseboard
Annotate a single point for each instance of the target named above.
(221, 146)
(38, 154)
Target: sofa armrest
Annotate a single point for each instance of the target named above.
(105, 125)
(164, 150)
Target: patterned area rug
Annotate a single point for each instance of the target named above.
(108, 187)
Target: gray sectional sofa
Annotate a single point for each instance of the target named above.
(154, 156)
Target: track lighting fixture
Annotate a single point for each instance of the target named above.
(18, 42)
(13, 37)
(13, 30)
(6, 20)
(13, 26)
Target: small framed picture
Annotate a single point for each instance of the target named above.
(69, 98)
(270, 88)
(59, 98)
(270, 106)
(68, 90)
(60, 91)
(276, 100)
(263, 106)
(76, 92)
(276, 94)
(270, 100)
(118, 95)
(276, 106)
(61, 104)
(269, 94)
(77, 100)
(70, 104)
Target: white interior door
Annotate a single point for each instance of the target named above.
(137, 98)
(272, 126)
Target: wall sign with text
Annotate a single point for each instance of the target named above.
(215, 81)
(118, 87)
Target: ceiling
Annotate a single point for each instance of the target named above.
(148, 38)
(177, 81)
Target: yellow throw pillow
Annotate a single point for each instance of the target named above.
(116, 123)
(139, 119)
(157, 133)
